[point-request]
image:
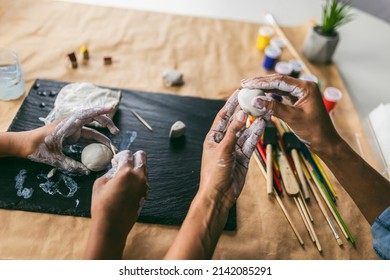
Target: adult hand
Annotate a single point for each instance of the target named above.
(227, 151)
(307, 117)
(117, 200)
(46, 143)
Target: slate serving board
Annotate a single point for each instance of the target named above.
(174, 166)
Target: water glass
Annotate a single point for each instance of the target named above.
(12, 85)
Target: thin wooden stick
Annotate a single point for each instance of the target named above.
(142, 120)
(305, 221)
(288, 218)
(280, 203)
(306, 207)
(316, 240)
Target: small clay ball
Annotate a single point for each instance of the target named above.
(172, 78)
(245, 97)
(177, 130)
(96, 157)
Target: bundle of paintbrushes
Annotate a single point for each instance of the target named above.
(289, 167)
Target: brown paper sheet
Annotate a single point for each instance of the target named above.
(214, 55)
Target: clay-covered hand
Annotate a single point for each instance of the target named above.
(307, 116)
(46, 143)
(117, 199)
(227, 151)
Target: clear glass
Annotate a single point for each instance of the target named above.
(12, 85)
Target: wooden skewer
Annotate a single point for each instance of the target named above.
(316, 240)
(305, 221)
(292, 188)
(142, 120)
(281, 205)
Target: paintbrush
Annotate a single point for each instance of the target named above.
(320, 204)
(329, 202)
(269, 142)
(293, 145)
(292, 188)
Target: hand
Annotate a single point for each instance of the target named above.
(227, 151)
(307, 117)
(46, 142)
(117, 200)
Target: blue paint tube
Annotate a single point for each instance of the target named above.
(272, 54)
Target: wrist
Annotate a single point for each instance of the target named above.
(332, 150)
(214, 208)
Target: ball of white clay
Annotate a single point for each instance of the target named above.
(96, 157)
(177, 130)
(245, 97)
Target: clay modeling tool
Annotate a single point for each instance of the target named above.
(142, 120)
(292, 189)
(321, 205)
(293, 145)
(269, 141)
(261, 165)
(329, 202)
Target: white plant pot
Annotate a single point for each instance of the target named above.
(318, 48)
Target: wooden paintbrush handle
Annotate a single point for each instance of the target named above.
(269, 170)
(297, 163)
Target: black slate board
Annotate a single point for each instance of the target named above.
(173, 166)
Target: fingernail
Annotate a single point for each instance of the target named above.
(241, 116)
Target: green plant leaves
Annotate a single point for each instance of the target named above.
(334, 14)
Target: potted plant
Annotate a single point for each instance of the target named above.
(321, 40)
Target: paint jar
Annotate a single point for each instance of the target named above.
(278, 42)
(331, 96)
(283, 68)
(264, 37)
(271, 55)
(310, 77)
(297, 67)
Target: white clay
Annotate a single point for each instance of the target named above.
(177, 130)
(96, 157)
(245, 97)
(172, 78)
(76, 96)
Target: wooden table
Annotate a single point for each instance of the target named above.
(214, 55)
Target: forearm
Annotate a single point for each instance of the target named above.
(369, 189)
(104, 242)
(9, 144)
(201, 229)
